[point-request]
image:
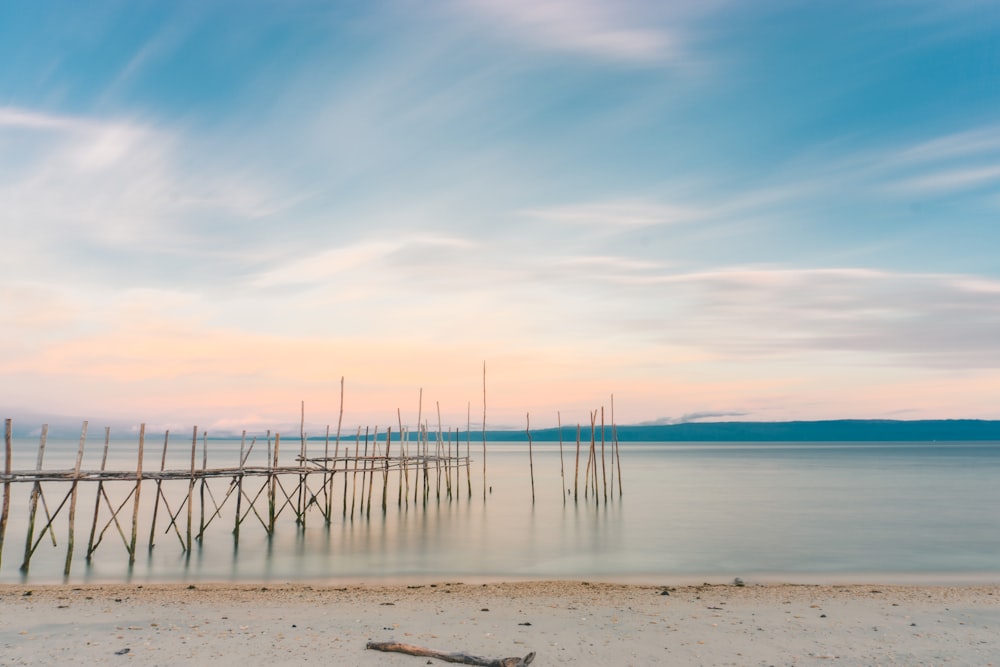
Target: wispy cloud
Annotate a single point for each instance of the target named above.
(630, 32)
(959, 144)
(953, 179)
(926, 320)
(319, 268)
(82, 190)
(625, 213)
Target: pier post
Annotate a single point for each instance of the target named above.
(562, 472)
(604, 470)
(300, 516)
(531, 457)
(190, 495)
(5, 512)
(138, 489)
(273, 485)
(239, 488)
(100, 490)
(201, 489)
(72, 503)
(385, 473)
(576, 471)
(36, 490)
(159, 484)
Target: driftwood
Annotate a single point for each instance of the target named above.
(463, 658)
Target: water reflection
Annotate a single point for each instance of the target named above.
(718, 509)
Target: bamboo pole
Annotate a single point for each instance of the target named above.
(576, 472)
(402, 457)
(371, 475)
(364, 475)
(531, 458)
(72, 503)
(336, 453)
(8, 454)
(562, 472)
(456, 462)
(36, 491)
(159, 492)
(593, 451)
(590, 456)
(327, 487)
(468, 442)
(190, 495)
(239, 488)
(427, 488)
(273, 478)
(614, 438)
(385, 473)
(484, 431)
(354, 479)
(604, 470)
(97, 497)
(420, 435)
(138, 489)
(437, 454)
(300, 515)
(204, 481)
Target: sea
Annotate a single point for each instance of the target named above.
(671, 513)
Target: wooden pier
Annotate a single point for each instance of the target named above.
(408, 470)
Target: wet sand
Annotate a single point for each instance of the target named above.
(565, 623)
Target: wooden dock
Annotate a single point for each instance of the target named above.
(396, 468)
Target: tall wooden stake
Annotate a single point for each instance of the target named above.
(72, 502)
(36, 491)
(100, 490)
(562, 472)
(576, 472)
(159, 483)
(8, 439)
(201, 489)
(614, 439)
(484, 431)
(327, 486)
(402, 458)
(468, 442)
(371, 477)
(138, 488)
(531, 458)
(354, 478)
(239, 488)
(274, 485)
(590, 457)
(190, 496)
(385, 470)
(604, 470)
(336, 453)
(300, 510)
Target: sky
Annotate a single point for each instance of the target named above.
(210, 213)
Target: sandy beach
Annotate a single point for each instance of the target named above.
(563, 622)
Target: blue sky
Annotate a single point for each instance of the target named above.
(767, 210)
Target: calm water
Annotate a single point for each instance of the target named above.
(698, 511)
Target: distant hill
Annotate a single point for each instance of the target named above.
(840, 430)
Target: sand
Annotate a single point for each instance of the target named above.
(565, 623)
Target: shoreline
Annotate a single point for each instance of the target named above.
(563, 621)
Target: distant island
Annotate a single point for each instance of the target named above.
(837, 430)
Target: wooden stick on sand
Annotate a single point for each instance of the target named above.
(463, 658)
